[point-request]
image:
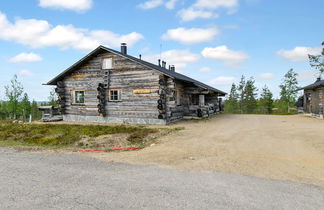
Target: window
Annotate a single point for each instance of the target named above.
(107, 63)
(114, 95)
(195, 99)
(78, 97)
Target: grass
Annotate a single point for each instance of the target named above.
(60, 135)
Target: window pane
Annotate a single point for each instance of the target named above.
(79, 97)
(114, 95)
(107, 63)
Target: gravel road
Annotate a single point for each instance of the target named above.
(63, 181)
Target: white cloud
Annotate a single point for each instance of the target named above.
(170, 4)
(299, 53)
(191, 35)
(39, 33)
(150, 4)
(205, 9)
(267, 76)
(205, 70)
(190, 14)
(179, 58)
(25, 73)
(25, 57)
(224, 54)
(222, 81)
(76, 5)
(215, 4)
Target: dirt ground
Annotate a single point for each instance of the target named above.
(277, 147)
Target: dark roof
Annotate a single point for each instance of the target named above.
(316, 84)
(142, 62)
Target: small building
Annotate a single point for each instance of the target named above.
(112, 86)
(314, 98)
(50, 113)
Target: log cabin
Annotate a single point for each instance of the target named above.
(313, 99)
(111, 86)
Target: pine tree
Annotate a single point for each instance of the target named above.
(250, 94)
(266, 100)
(241, 93)
(232, 102)
(288, 89)
(317, 61)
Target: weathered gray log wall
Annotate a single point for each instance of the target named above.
(126, 76)
(314, 103)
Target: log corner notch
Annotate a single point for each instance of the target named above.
(60, 91)
(102, 99)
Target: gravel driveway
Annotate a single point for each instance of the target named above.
(62, 181)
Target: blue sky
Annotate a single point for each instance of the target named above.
(215, 41)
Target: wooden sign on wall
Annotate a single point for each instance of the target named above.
(141, 91)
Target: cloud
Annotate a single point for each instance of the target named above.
(170, 4)
(75, 5)
(205, 9)
(191, 35)
(299, 53)
(222, 81)
(25, 73)
(224, 54)
(215, 4)
(205, 70)
(150, 4)
(267, 76)
(25, 57)
(190, 14)
(179, 58)
(39, 33)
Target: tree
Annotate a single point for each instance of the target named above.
(250, 94)
(288, 89)
(317, 61)
(35, 111)
(52, 98)
(13, 93)
(232, 102)
(25, 106)
(241, 94)
(266, 100)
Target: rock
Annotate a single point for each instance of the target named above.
(191, 158)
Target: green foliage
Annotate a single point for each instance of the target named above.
(266, 101)
(13, 93)
(249, 99)
(18, 105)
(52, 98)
(232, 104)
(288, 89)
(317, 61)
(64, 135)
(242, 98)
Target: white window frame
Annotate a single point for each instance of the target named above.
(106, 63)
(74, 96)
(118, 95)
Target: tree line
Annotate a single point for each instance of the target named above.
(243, 97)
(17, 104)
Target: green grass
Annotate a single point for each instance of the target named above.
(60, 135)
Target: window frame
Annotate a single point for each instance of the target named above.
(74, 98)
(103, 60)
(119, 93)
